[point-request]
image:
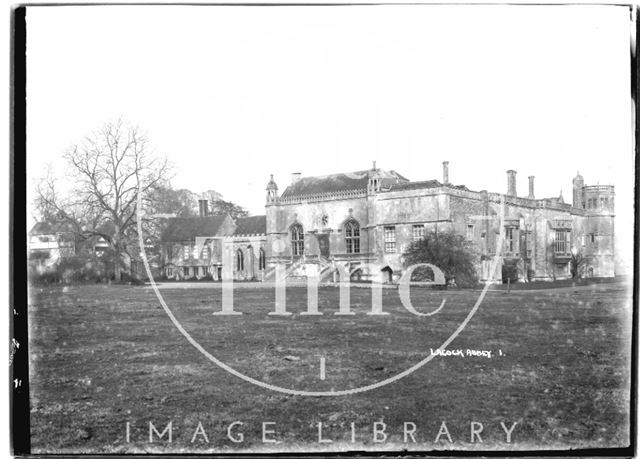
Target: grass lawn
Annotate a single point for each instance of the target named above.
(562, 283)
(102, 357)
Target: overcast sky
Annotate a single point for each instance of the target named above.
(232, 94)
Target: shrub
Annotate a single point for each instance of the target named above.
(70, 270)
(449, 251)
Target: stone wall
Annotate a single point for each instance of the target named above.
(250, 247)
(479, 216)
(325, 217)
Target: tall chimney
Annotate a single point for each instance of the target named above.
(531, 195)
(445, 172)
(295, 177)
(203, 206)
(511, 183)
(578, 195)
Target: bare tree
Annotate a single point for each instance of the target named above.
(107, 168)
(47, 196)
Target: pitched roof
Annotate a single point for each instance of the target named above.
(416, 185)
(188, 228)
(251, 225)
(353, 181)
(424, 184)
(51, 228)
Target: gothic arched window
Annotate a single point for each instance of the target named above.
(262, 260)
(240, 260)
(297, 240)
(352, 236)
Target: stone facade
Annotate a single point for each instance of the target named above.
(245, 254)
(192, 247)
(247, 257)
(364, 221)
(214, 247)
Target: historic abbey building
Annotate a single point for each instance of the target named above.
(364, 221)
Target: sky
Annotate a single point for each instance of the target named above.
(233, 94)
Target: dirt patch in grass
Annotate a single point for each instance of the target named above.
(104, 356)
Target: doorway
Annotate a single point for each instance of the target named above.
(387, 275)
(323, 244)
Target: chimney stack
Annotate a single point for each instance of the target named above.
(511, 183)
(445, 172)
(578, 195)
(531, 195)
(203, 206)
(295, 177)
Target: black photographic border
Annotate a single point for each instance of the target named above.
(18, 283)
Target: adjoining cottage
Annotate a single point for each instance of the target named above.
(214, 247)
(51, 241)
(191, 247)
(57, 240)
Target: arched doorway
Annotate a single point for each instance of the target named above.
(356, 275)
(387, 275)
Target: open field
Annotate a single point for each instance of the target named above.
(104, 356)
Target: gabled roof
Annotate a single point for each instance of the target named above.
(353, 181)
(251, 225)
(51, 228)
(188, 228)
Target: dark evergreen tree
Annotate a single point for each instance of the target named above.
(449, 251)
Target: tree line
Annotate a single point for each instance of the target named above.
(113, 171)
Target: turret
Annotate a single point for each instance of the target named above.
(272, 191)
(375, 180)
(599, 198)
